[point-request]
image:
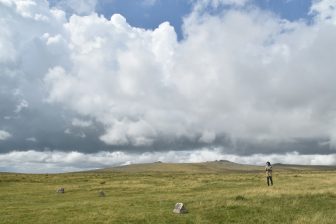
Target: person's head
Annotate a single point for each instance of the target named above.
(268, 163)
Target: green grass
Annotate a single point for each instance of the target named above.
(213, 193)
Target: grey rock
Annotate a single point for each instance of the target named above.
(60, 190)
(180, 208)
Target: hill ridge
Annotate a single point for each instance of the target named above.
(208, 167)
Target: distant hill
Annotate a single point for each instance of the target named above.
(208, 167)
(303, 167)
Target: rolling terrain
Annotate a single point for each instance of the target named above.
(213, 192)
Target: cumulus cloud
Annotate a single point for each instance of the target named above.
(23, 104)
(81, 123)
(53, 161)
(242, 78)
(4, 135)
(251, 83)
(324, 10)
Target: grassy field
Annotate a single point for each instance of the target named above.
(217, 192)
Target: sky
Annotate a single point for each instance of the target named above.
(94, 83)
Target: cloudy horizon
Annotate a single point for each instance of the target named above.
(89, 84)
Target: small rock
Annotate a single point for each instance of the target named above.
(180, 208)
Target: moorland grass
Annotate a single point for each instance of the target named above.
(298, 196)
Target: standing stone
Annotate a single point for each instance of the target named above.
(180, 208)
(60, 190)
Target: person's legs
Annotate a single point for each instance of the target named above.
(268, 180)
(271, 180)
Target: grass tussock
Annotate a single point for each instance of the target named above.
(240, 198)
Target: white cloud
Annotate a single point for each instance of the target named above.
(31, 139)
(32, 9)
(79, 134)
(245, 74)
(23, 104)
(324, 10)
(240, 74)
(67, 131)
(53, 161)
(207, 137)
(138, 133)
(4, 135)
(81, 123)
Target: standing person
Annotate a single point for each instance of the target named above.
(268, 169)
